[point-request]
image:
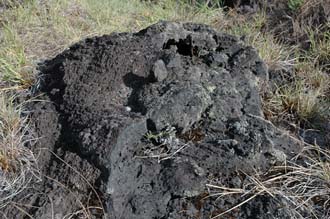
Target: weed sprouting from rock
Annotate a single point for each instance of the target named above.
(167, 136)
(162, 145)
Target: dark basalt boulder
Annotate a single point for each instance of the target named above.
(150, 118)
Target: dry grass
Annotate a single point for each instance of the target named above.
(303, 184)
(275, 54)
(303, 99)
(18, 165)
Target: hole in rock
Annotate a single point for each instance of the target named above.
(184, 46)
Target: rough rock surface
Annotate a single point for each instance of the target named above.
(150, 118)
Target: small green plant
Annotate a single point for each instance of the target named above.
(295, 4)
(162, 145)
(161, 137)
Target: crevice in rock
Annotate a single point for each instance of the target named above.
(136, 83)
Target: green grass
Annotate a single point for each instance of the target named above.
(15, 68)
(295, 4)
(36, 31)
(133, 15)
(303, 100)
(320, 47)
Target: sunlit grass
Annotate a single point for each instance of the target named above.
(133, 15)
(35, 30)
(304, 99)
(275, 54)
(320, 48)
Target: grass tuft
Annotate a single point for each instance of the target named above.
(304, 99)
(18, 165)
(320, 48)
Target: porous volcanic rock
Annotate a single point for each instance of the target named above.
(151, 118)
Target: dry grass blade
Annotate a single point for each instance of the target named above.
(80, 212)
(84, 178)
(238, 205)
(23, 211)
(84, 210)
